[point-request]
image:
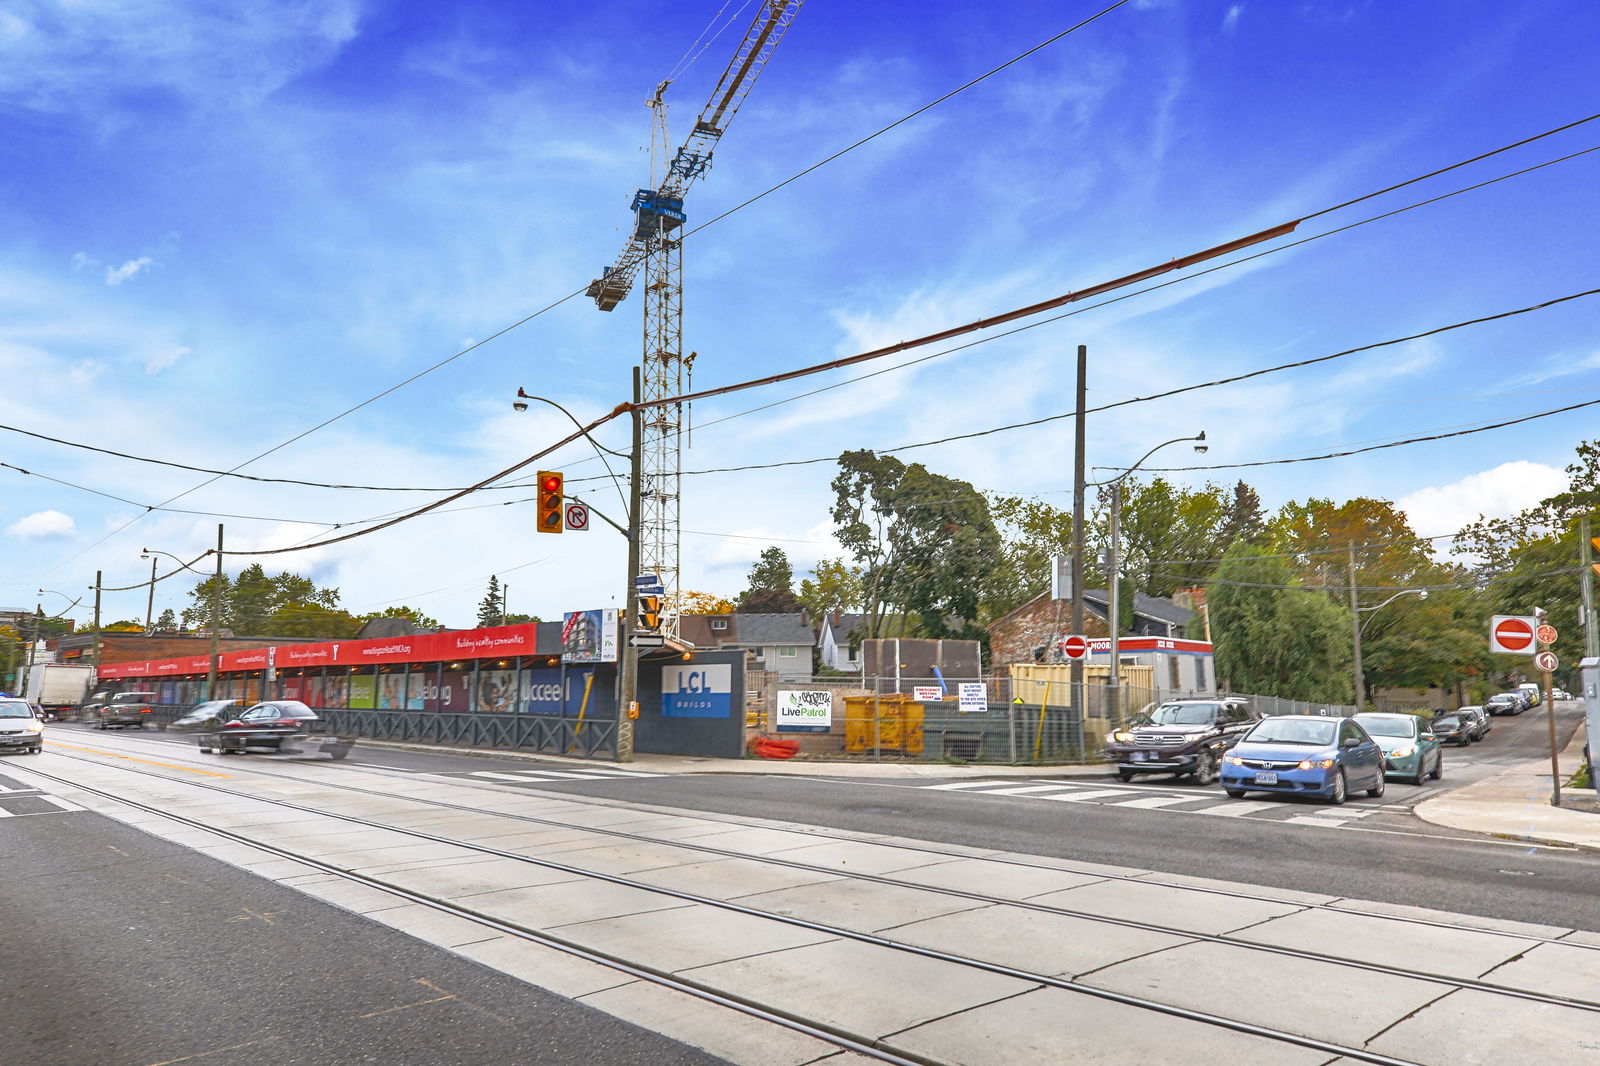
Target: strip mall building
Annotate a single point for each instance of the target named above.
(499, 669)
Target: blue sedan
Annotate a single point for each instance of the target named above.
(1305, 755)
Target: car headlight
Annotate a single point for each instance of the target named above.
(35, 727)
(1403, 753)
(1122, 738)
(1233, 760)
(1316, 764)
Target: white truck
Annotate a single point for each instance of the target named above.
(59, 688)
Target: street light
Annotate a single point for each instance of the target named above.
(1114, 565)
(1358, 624)
(150, 603)
(216, 592)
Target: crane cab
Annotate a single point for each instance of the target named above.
(608, 290)
(656, 213)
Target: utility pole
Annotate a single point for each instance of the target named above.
(505, 591)
(1077, 534)
(1355, 637)
(216, 613)
(97, 574)
(1113, 608)
(628, 681)
(1591, 629)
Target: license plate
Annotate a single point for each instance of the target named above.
(1140, 756)
(1266, 779)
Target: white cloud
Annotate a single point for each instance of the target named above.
(42, 525)
(1497, 493)
(1230, 21)
(117, 275)
(83, 261)
(162, 360)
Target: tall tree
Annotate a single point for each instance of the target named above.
(833, 585)
(688, 601)
(1032, 534)
(492, 605)
(167, 622)
(1273, 636)
(770, 587)
(925, 541)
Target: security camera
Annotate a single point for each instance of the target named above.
(519, 405)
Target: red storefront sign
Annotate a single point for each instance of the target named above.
(494, 643)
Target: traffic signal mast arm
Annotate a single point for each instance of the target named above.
(660, 210)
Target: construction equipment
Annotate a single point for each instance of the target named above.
(655, 247)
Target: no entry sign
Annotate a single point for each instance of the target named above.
(1075, 647)
(1512, 634)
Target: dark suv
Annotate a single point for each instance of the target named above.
(1185, 738)
(123, 710)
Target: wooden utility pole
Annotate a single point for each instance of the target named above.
(1077, 534)
(628, 679)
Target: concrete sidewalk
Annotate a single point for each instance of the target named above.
(1515, 804)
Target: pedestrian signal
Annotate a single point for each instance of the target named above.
(550, 519)
(649, 612)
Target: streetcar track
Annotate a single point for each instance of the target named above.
(862, 1045)
(920, 849)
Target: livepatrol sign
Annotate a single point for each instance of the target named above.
(808, 711)
(697, 690)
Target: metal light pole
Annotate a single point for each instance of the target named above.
(97, 575)
(150, 602)
(1359, 624)
(1114, 572)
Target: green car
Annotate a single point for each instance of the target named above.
(1410, 749)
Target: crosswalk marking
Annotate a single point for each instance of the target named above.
(1179, 800)
(529, 777)
(66, 805)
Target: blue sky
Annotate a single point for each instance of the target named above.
(221, 225)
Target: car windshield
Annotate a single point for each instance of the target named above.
(15, 709)
(1447, 721)
(1292, 731)
(1183, 714)
(1398, 726)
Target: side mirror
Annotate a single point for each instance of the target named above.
(1429, 736)
(1351, 742)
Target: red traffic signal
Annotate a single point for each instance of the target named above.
(549, 518)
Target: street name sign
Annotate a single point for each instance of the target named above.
(1512, 634)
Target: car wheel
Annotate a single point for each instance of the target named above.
(1422, 772)
(1125, 775)
(205, 751)
(1205, 769)
(1438, 766)
(36, 749)
(1376, 791)
(1341, 790)
(1235, 793)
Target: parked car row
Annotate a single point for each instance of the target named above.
(1315, 755)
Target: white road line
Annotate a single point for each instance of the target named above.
(66, 805)
(1076, 797)
(5, 813)
(1027, 790)
(961, 784)
(521, 779)
(18, 791)
(1238, 808)
(1157, 801)
(1322, 820)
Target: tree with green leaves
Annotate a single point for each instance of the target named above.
(1275, 636)
(770, 587)
(166, 622)
(410, 614)
(255, 605)
(1032, 534)
(493, 604)
(834, 585)
(924, 541)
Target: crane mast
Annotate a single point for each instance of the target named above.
(655, 249)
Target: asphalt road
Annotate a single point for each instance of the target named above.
(120, 949)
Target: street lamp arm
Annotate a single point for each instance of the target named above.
(1130, 469)
(600, 449)
(1403, 592)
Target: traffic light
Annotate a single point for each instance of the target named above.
(551, 519)
(649, 613)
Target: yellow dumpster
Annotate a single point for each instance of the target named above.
(891, 722)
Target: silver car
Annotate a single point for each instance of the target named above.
(21, 726)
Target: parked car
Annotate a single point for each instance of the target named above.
(1451, 728)
(285, 726)
(1530, 693)
(1183, 737)
(206, 716)
(21, 726)
(1505, 703)
(1409, 748)
(1305, 755)
(123, 710)
(1479, 719)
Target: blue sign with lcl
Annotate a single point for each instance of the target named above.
(703, 691)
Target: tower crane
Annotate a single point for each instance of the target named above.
(655, 247)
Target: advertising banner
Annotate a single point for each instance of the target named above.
(589, 637)
(541, 691)
(697, 691)
(805, 711)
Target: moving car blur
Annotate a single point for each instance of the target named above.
(208, 715)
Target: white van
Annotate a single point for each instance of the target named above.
(1530, 693)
